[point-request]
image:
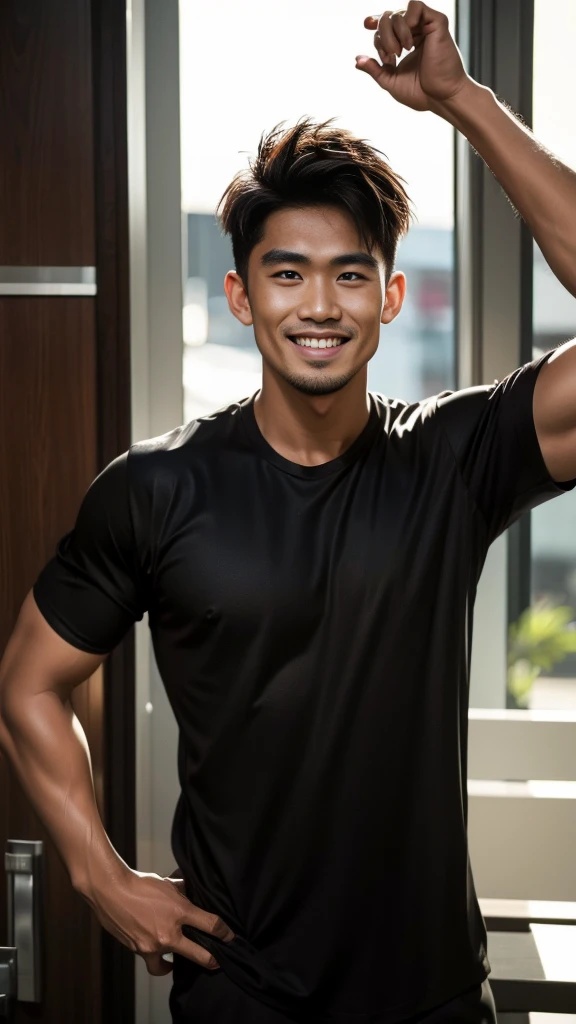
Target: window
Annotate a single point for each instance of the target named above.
(553, 538)
(237, 83)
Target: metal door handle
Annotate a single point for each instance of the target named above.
(8, 982)
(23, 862)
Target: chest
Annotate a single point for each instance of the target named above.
(272, 549)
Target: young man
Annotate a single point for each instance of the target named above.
(308, 558)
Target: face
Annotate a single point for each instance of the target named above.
(317, 298)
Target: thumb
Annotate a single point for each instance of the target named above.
(379, 72)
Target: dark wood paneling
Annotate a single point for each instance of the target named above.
(48, 432)
(65, 400)
(46, 156)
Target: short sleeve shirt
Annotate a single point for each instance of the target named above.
(312, 626)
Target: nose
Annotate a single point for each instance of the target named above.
(319, 302)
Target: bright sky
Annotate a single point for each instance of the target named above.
(245, 66)
(553, 119)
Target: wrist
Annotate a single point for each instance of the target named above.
(465, 105)
(92, 882)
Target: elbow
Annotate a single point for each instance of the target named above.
(5, 733)
(8, 716)
(14, 713)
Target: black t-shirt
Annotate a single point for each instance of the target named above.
(312, 626)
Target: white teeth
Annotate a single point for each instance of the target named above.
(319, 342)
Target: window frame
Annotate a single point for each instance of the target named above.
(510, 823)
(493, 260)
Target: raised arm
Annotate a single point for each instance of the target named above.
(540, 186)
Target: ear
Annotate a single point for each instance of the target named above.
(395, 293)
(237, 297)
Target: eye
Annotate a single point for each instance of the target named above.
(347, 275)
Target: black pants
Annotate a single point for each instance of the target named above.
(210, 997)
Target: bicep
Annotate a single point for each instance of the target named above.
(496, 433)
(37, 658)
(555, 412)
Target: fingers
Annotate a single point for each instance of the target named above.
(385, 56)
(389, 31)
(202, 919)
(380, 74)
(402, 32)
(156, 965)
(206, 922)
(398, 30)
(193, 951)
(171, 939)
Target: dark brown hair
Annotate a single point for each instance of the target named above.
(310, 165)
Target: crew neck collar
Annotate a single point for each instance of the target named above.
(248, 419)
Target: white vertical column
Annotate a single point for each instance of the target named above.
(157, 395)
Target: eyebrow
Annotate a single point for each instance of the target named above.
(275, 256)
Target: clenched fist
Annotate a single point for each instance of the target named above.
(432, 74)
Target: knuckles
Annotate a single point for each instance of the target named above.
(163, 943)
(216, 925)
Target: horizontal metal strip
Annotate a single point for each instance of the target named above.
(47, 280)
(543, 789)
(22, 288)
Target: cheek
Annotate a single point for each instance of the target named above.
(366, 309)
(272, 305)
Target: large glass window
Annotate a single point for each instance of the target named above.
(242, 73)
(542, 666)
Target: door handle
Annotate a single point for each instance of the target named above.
(24, 864)
(8, 981)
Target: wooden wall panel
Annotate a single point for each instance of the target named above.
(46, 156)
(65, 414)
(48, 429)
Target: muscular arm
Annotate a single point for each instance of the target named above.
(46, 746)
(541, 187)
(433, 77)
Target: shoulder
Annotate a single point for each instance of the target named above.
(196, 439)
(402, 417)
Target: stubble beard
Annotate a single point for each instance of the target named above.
(321, 383)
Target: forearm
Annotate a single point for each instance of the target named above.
(46, 746)
(541, 187)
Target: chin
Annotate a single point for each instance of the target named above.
(318, 383)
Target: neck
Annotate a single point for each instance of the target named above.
(311, 429)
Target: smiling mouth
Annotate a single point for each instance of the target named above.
(304, 341)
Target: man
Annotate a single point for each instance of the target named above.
(308, 558)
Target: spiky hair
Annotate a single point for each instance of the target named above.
(313, 164)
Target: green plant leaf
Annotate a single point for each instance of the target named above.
(543, 635)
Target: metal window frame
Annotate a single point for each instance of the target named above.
(493, 248)
(157, 345)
